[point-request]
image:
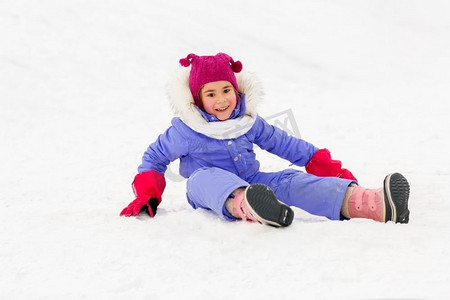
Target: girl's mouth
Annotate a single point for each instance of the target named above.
(222, 108)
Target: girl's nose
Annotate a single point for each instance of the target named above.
(221, 99)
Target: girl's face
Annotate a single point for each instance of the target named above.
(219, 99)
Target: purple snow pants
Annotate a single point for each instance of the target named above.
(209, 188)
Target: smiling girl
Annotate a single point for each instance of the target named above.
(214, 136)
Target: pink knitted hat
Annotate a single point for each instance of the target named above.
(207, 69)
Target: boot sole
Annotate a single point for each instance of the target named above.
(264, 206)
(396, 196)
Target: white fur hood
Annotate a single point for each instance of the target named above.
(182, 104)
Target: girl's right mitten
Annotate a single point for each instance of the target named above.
(148, 188)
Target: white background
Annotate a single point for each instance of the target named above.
(82, 95)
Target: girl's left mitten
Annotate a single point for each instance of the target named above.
(321, 164)
(148, 188)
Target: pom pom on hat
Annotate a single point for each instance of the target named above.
(205, 69)
(237, 66)
(186, 62)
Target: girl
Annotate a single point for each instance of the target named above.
(214, 137)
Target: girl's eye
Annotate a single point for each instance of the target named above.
(210, 95)
(227, 90)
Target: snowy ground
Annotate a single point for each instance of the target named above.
(82, 95)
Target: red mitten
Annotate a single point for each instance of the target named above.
(322, 165)
(148, 188)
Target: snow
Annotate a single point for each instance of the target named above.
(82, 95)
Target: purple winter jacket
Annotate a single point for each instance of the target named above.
(196, 150)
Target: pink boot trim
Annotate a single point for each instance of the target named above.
(241, 210)
(367, 203)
